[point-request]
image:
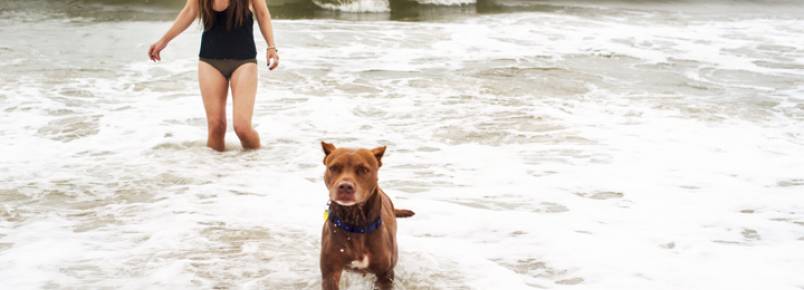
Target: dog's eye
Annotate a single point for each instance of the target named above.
(361, 170)
(334, 168)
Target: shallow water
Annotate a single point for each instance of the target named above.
(602, 147)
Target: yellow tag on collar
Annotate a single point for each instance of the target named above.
(326, 214)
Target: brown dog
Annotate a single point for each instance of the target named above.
(360, 230)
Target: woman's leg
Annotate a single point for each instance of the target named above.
(244, 90)
(213, 90)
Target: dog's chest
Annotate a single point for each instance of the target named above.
(360, 264)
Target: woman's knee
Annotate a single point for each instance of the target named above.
(243, 128)
(217, 126)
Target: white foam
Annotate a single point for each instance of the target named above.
(538, 150)
(446, 2)
(355, 6)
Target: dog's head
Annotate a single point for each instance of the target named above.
(351, 174)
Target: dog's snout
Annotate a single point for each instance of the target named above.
(346, 187)
(345, 193)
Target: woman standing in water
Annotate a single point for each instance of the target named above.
(227, 59)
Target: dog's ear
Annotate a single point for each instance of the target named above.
(328, 148)
(378, 152)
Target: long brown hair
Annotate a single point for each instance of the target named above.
(235, 13)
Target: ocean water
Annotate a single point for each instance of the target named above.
(560, 145)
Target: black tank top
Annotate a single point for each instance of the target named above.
(237, 43)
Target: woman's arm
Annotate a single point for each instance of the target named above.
(183, 20)
(264, 20)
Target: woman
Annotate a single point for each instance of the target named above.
(227, 59)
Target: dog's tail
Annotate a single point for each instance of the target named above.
(403, 213)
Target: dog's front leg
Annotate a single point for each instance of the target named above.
(385, 281)
(331, 277)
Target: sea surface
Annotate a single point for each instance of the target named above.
(542, 144)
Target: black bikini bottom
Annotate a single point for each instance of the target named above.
(227, 66)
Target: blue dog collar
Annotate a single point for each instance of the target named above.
(355, 229)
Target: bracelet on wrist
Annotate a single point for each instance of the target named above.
(274, 48)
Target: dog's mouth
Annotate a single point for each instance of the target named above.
(345, 198)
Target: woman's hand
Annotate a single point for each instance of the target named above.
(273, 55)
(156, 48)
